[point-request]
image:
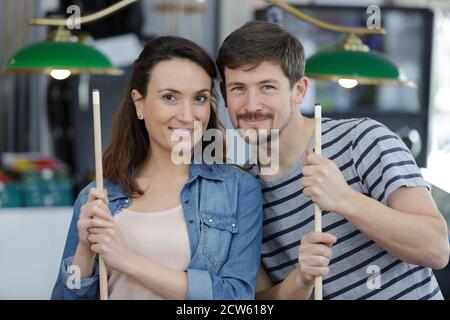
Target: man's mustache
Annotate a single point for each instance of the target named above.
(254, 116)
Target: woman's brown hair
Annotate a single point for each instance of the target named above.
(129, 142)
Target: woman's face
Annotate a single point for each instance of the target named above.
(178, 95)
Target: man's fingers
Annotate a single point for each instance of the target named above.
(319, 237)
(315, 271)
(315, 250)
(307, 170)
(314, 261)
(312, 158)
(307, 182)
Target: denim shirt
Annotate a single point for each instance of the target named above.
(222, 208)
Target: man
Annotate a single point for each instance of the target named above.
(379, 220)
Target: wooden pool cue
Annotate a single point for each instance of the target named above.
(99, 182)
(317, 211)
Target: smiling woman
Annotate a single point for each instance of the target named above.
(165, 230)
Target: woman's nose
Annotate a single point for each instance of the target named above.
(187, 114)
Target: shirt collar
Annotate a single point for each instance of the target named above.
(212, 172)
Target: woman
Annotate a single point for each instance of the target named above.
(165, 230)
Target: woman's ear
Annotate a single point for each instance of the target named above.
(138, 101)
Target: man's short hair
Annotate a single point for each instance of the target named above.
(259, 41)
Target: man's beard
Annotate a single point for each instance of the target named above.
(261, 138)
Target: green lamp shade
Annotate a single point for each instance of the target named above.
(74, 56)
(365, 67)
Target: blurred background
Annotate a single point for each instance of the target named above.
(46, 136)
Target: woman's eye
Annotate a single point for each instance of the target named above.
(169, 98)
(201, 98)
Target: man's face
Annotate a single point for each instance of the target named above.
(261, 98)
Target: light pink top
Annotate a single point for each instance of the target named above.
(159, 236)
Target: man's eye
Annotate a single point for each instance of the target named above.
(268, 87)
(238, 89)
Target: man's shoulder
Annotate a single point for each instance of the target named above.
(344, 123)
(343, 130)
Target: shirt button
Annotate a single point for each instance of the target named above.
(233, 225)
(210, 220)
(186, 201)
(191, 221)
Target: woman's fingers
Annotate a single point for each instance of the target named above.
(105, 231)
(97, 248)
(96, 208)
(96, 193)
(100, 210)
(88, 224)
(96, 238)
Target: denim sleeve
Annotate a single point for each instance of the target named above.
(236, 279)
(88, 288)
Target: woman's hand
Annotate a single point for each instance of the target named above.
(110, 243)
(93, 214)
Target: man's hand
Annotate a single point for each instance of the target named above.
(314, 255)
(324, 183)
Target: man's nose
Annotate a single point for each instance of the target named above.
(253, 103)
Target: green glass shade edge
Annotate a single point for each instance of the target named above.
(352, 64)
(58, 55)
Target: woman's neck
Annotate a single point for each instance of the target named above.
(159, 163)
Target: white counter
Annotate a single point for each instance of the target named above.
(31, 246)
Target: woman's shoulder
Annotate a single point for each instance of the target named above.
(111, 188)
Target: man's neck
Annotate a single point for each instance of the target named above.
(293, 142)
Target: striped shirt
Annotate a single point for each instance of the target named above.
(375, 162)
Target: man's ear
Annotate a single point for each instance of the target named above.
(224, 92)
(300, 89)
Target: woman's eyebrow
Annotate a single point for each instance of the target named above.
(169, 89)
(179, 92)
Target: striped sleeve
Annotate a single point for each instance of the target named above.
(382, 161)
